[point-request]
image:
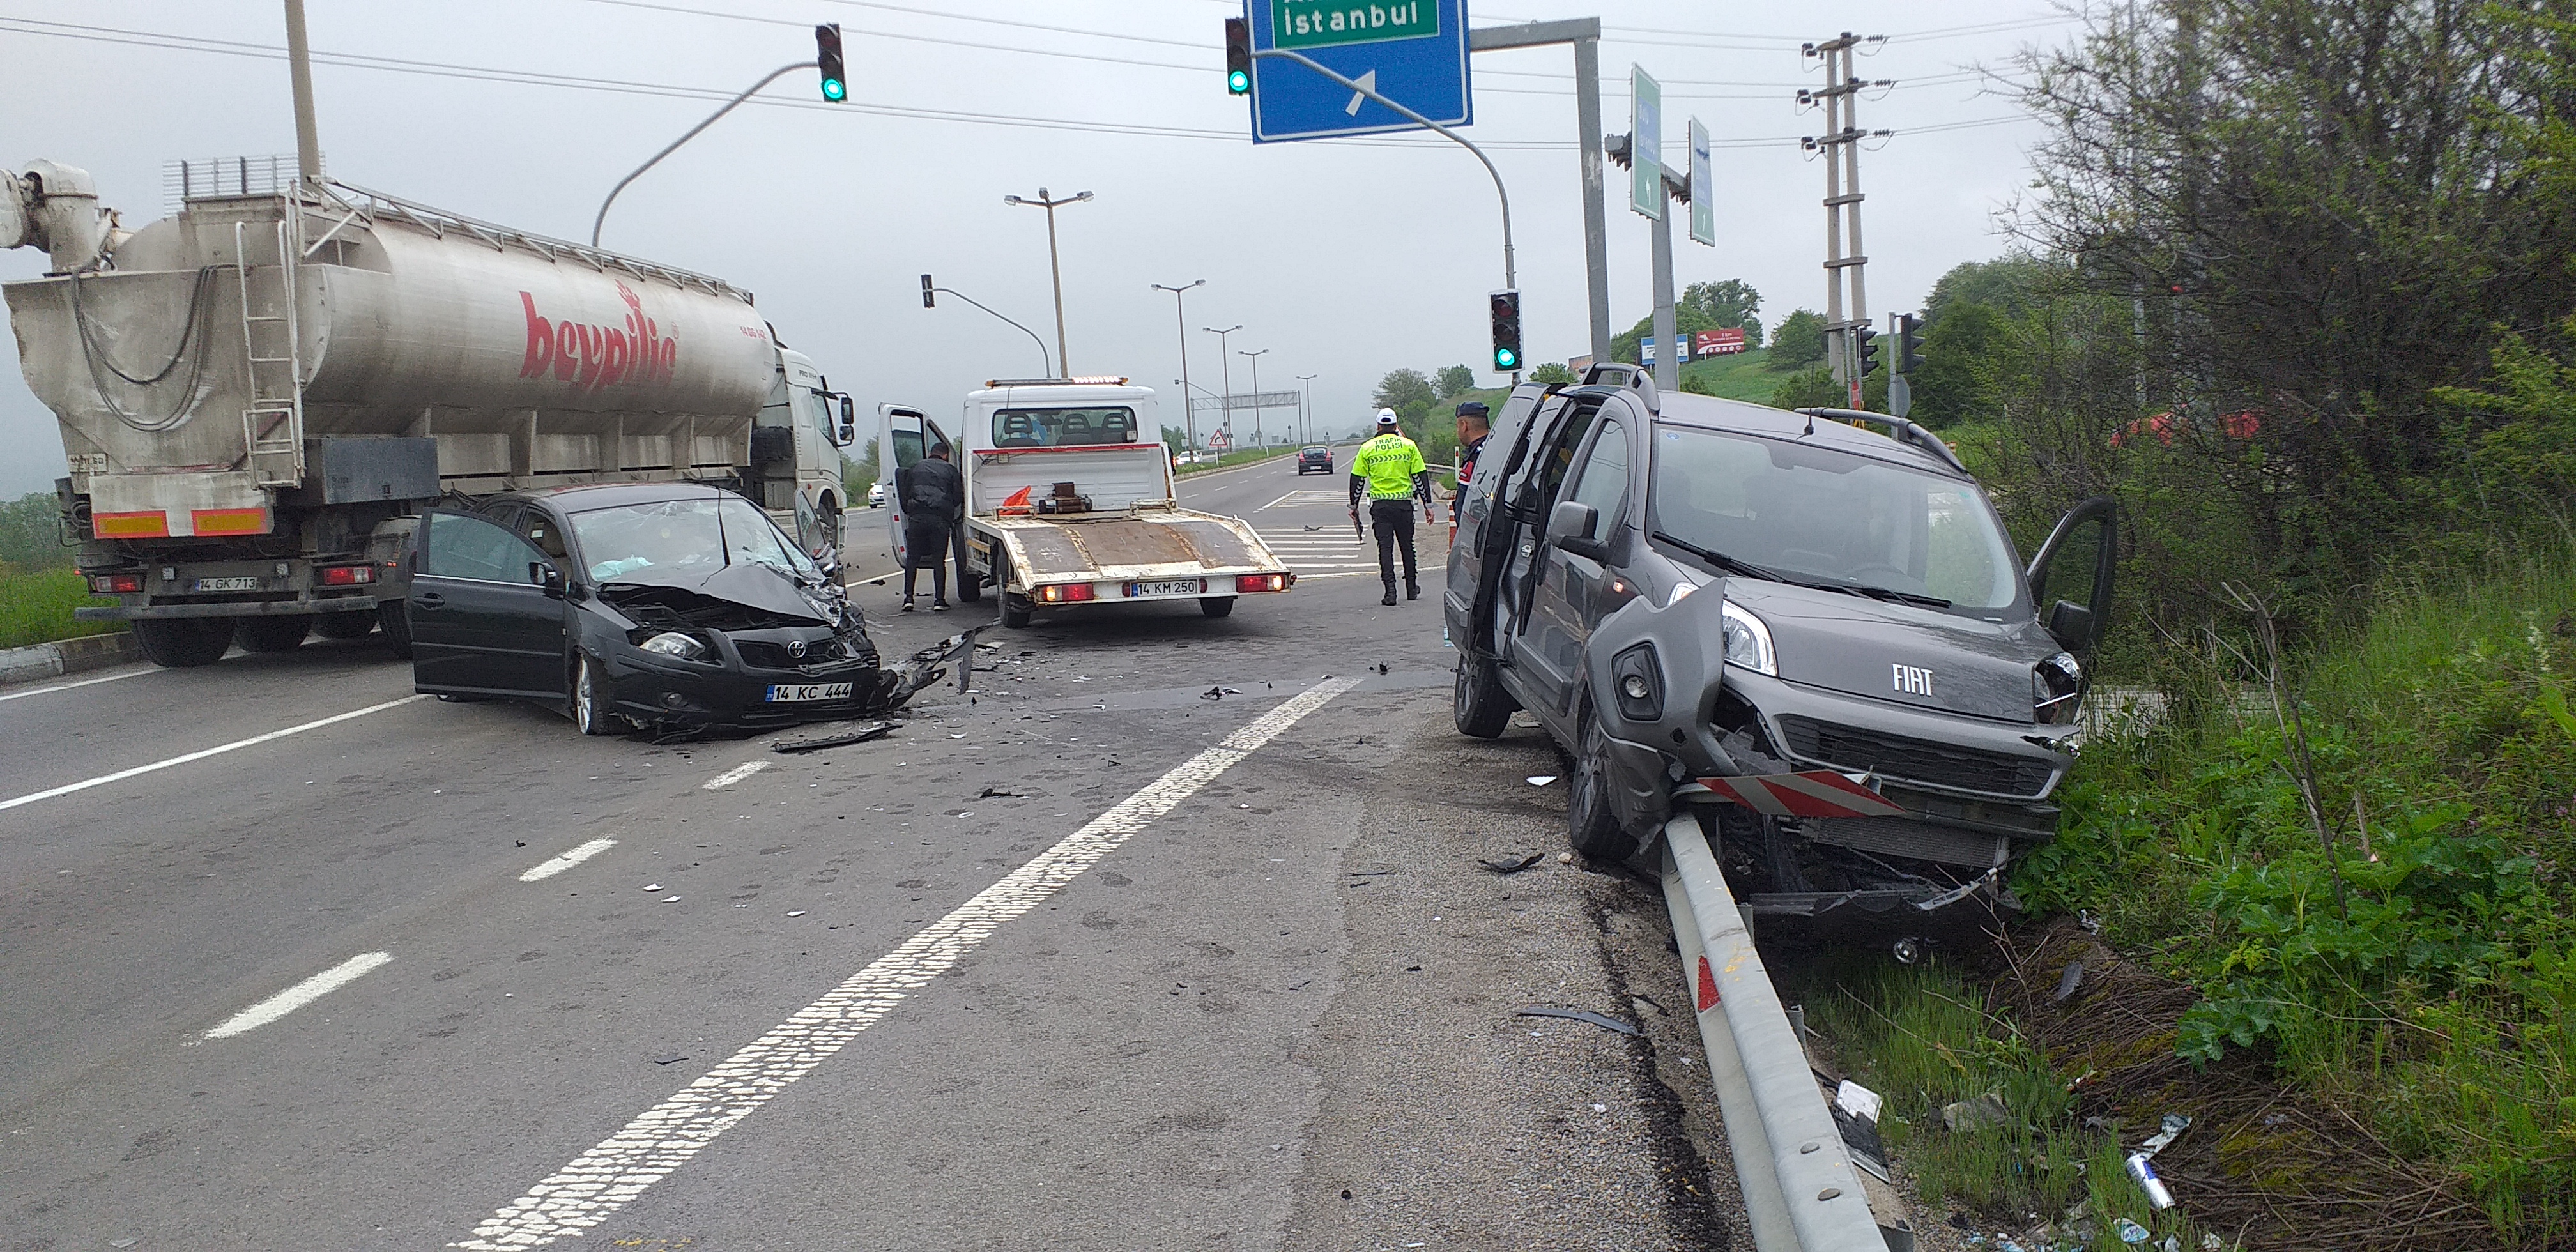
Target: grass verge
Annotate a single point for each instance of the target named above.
(37, 608)
(1231, 459)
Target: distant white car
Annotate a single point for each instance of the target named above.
(876, 494)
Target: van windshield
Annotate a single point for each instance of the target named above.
(1817, 514)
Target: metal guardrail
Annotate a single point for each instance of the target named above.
(1800, 1187)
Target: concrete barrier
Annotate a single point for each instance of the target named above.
(68, 656)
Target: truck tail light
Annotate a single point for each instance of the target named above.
(348, 575)
(1261, 582)
(1065, 593)
(113, 584)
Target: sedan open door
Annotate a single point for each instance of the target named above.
(487, 611)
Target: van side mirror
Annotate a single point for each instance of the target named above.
(1569, 526)
(2071, 624)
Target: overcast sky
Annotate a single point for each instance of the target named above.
(1344, 259)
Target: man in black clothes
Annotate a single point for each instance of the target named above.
(933, 498)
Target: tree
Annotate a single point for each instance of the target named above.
(1407, 392)
(1453, 379)
(30, 534)
(2009, 284)
(1957, 383)
(1800, 340)
(1554, 373)
(1730, 303)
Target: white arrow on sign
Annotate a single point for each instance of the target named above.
(1368, 83)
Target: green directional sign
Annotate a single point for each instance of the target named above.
(1323, 23)
(1645, 144)
(1703, 204)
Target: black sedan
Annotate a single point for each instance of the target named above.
(1316, 460)
(675, 605)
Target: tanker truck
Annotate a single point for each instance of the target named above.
(259, 394)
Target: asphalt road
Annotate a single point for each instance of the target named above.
(1087, 959)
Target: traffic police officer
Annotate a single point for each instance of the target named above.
(1390, 470)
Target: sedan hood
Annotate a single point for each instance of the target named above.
(751, 585)
(1902, 653)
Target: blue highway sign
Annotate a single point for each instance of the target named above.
(1411, 51)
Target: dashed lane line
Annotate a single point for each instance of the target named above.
(201, 754)
(734, 775)
(299, 995)
(549, 868)
(599, 1182)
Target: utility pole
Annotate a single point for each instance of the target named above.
(1226, 406)
(1306, 409)
(1181, 321)
(299, 72)
(1840, 145)
(1256, 393)
(1054, 266)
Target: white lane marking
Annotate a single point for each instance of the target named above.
(201, 754)
(734, 775)
(1276, 503)
(21, 695)
(606, 1178)
(548, 869)
(299, 995)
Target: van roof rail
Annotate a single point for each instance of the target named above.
(1636, 378)
(1899, 429)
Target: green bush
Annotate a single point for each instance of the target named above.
(30, 537)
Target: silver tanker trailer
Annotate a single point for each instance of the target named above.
(258, 395)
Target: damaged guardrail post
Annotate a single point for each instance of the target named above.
(1800, 1187)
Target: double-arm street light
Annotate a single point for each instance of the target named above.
(1306, 410)
(1054, 265)
(1181, 322)
(1225, 360)
(1256, 393)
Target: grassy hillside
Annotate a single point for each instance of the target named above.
(1744, 376)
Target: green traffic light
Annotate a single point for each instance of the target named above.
(833, 89)
(1506, 359)
(1238, 82)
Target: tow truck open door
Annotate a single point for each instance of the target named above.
(904, 436)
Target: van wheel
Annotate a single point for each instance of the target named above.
(1016, 609)
(184, 641)
(395, 617)
(1216, 606)
(281, 633)
(1589, 823)
(1478, 703)
(344, 625)
(590, 701)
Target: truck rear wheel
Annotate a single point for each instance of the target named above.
(182, 641)
(1216, 606)
(344, 625)
(282, 632)
(395, 617)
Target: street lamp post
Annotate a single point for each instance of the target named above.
(1181, 322)
(1306, 410)
(1054, 266)
(1226, 406)
(1256, 394)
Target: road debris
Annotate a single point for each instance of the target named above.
(672, 1059)
(2143, 1172)
(1856, 1109)
(1219, 693)
(1541, 780)
(994, 793)
(859, 734)
(1985, 1110)
(652, 886)
(1511, 865)
(796, 912)
(1381, 667)
(1602, 1020)
(2174, 1125)
(2129, 1231)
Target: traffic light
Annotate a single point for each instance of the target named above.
(1238, 56)
(827, 54)
(1506, 309)
(1868, 340)
(1909, 343)
(926, 301)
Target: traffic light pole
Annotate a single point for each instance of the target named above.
(1511, 280)
(1043, 363)
(1584, 33)
(754, 89)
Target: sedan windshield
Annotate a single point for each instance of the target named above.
(1814, 514)
(701, 534)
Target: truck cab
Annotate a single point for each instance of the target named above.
(796, 454)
